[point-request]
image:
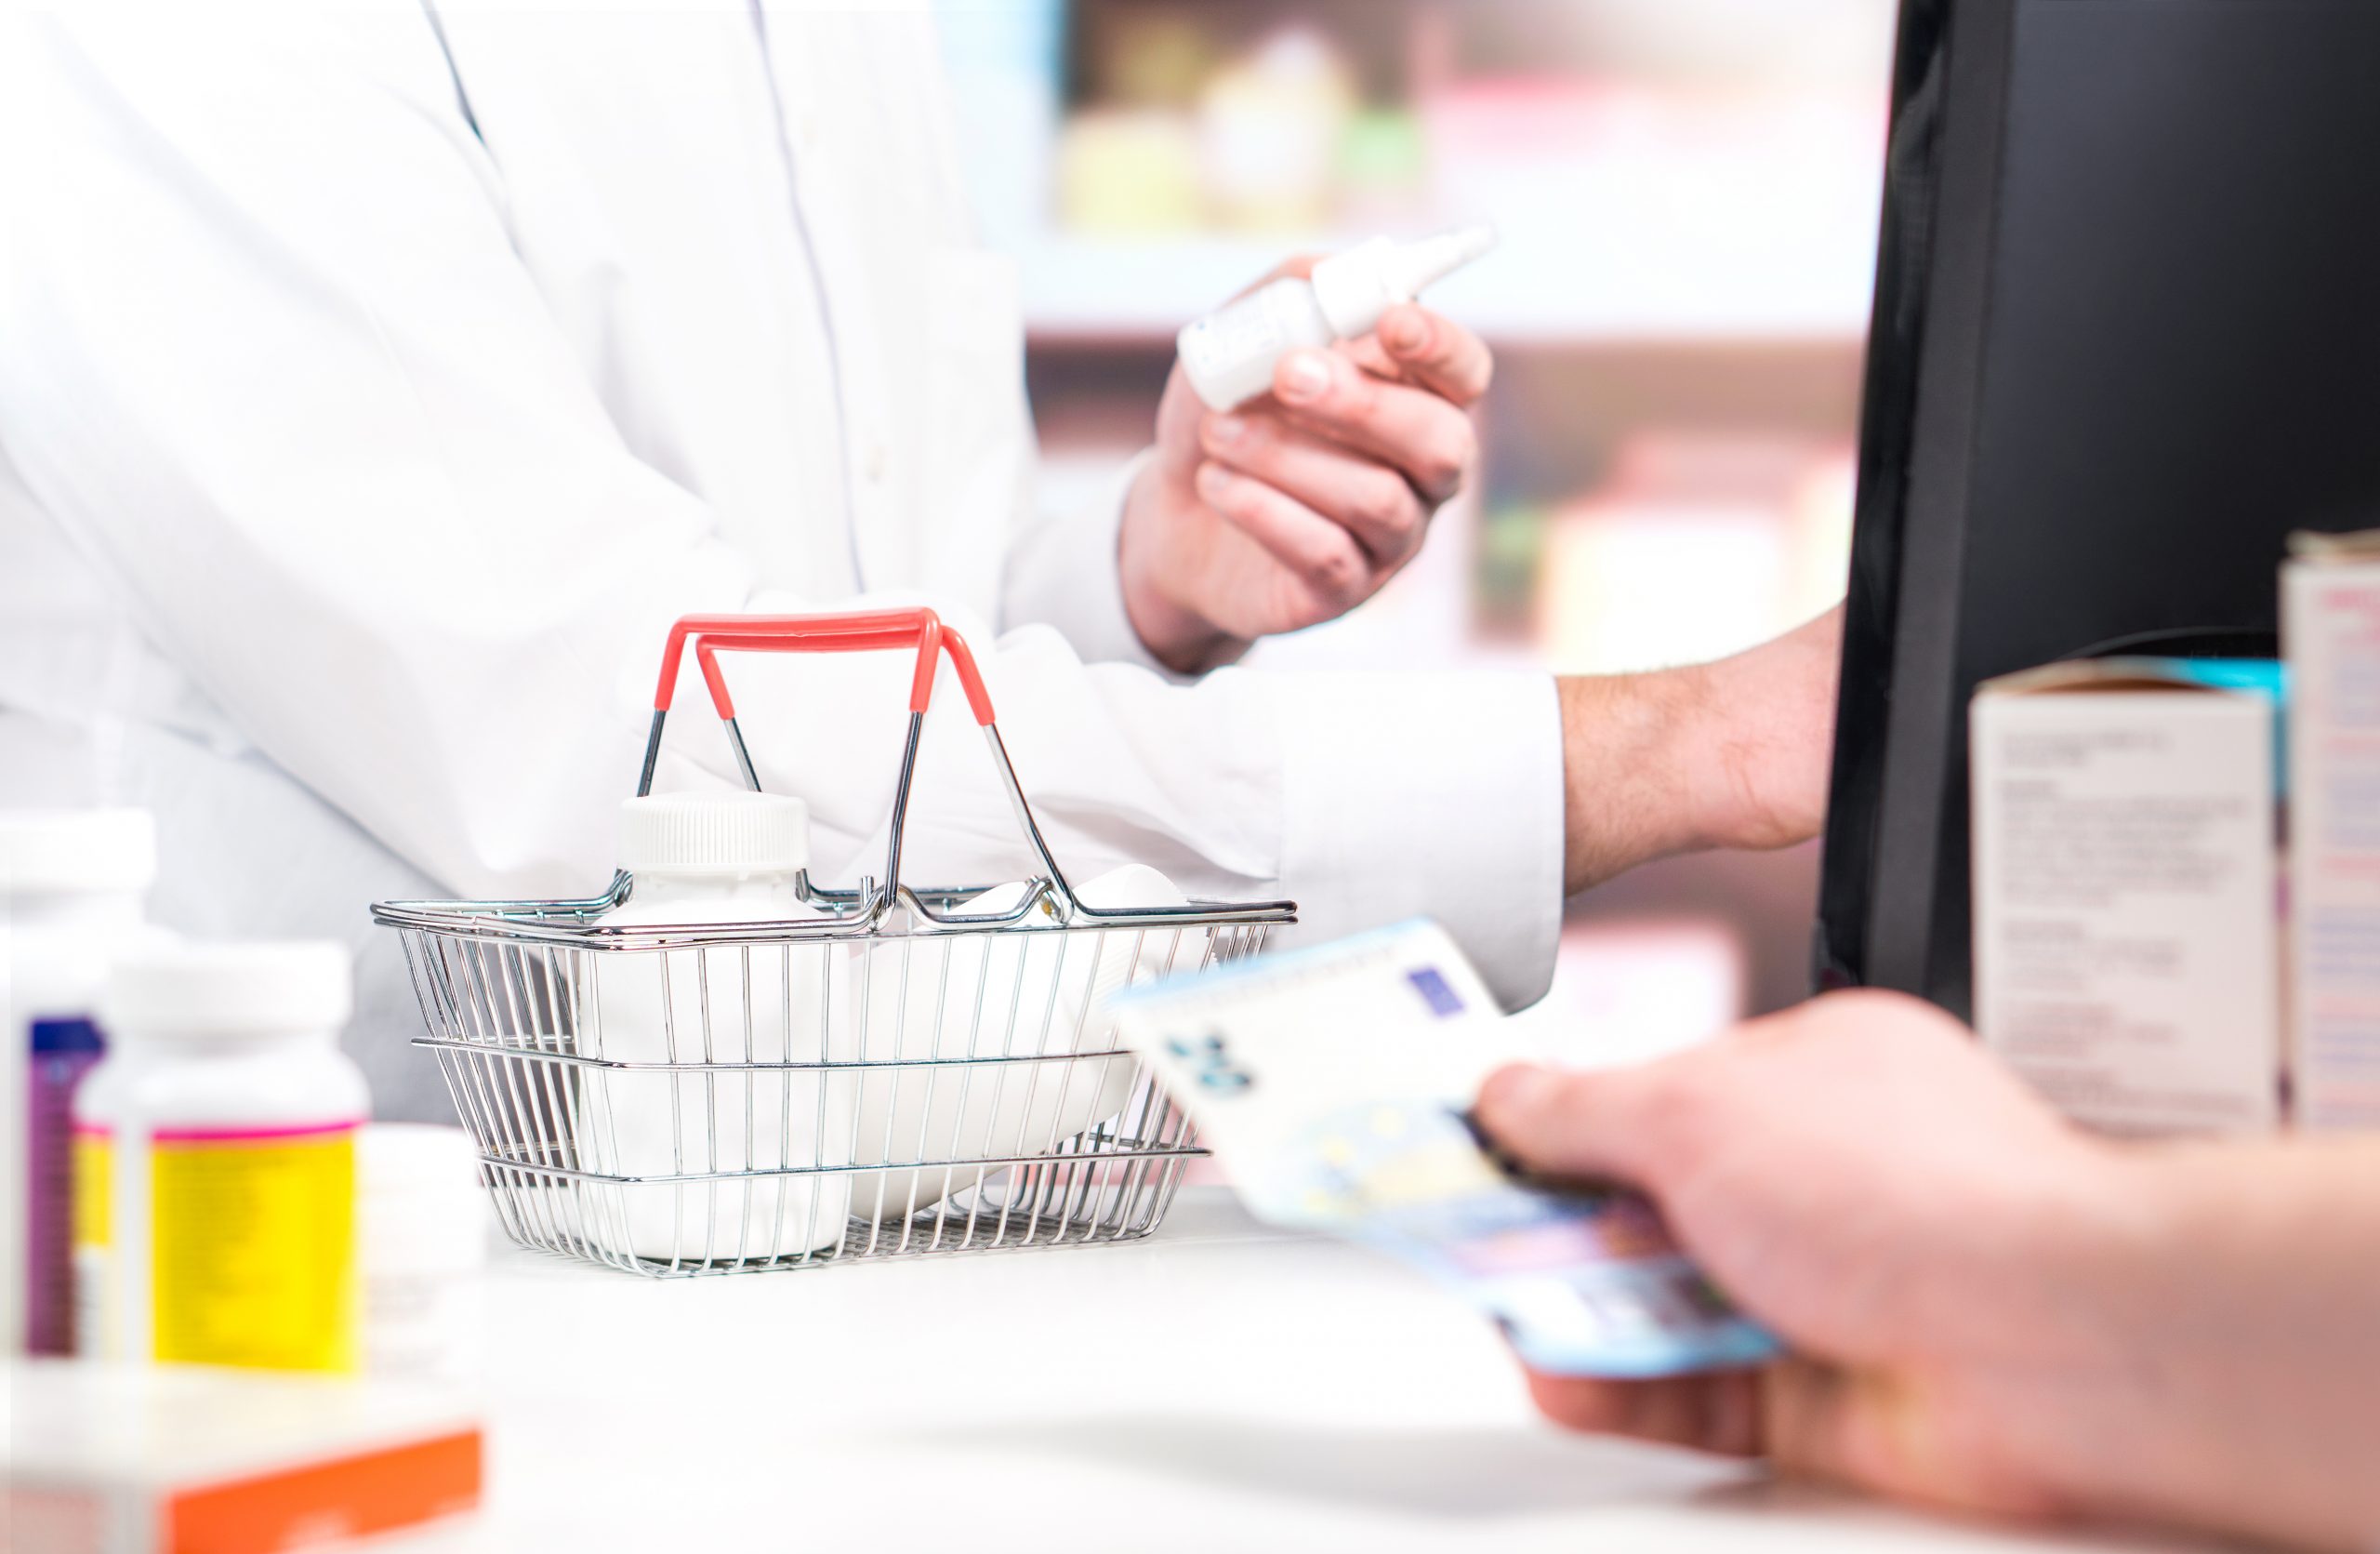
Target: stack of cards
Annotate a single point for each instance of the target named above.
(1335, 1082)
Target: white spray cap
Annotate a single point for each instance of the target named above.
(719, 834)
(77, 849)
(229, 990)
(1356, 288)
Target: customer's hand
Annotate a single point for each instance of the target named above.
(1986, 1309)
(1297, 506)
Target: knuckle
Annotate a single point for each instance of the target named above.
(1338, 574)
(1446, 459)
(1383, 503)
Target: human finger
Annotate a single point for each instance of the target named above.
(1323, 556)
(1612, 1123)
(1437, 352)
(1424, 437)
(1375, 502)
(1720, 1412)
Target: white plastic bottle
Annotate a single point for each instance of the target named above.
(1009, 993)
(422, 1225)
(217, 1160)
(696, 859)
(71, 883)
(1230, 354)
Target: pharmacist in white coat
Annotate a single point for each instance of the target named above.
(377, 385)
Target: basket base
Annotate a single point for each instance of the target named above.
(1063, 1203)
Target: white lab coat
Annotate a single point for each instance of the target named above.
(374, 391)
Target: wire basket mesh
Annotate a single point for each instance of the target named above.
(757, 1103)
(900, 1073)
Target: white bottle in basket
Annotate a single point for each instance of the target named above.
(946, 999)
(698, 859)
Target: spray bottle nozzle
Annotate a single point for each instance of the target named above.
(1428, 260)
(1356, 288)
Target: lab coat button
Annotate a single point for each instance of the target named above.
(873, 461)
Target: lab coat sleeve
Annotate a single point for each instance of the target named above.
(1063, 571)
(272, 359)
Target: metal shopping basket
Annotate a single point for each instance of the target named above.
(902, 1073)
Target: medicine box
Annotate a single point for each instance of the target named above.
(2330, 601)
(2127, 956)
(125, 1459)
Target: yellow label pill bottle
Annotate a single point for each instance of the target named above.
(215, 1153)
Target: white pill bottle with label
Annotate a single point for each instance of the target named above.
(693, 1022)
(214, 1161)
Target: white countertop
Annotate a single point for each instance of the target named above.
(1217, 1387)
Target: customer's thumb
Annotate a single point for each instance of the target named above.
(1565, 1126)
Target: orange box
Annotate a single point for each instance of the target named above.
(108, 1459)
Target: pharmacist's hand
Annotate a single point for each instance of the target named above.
(1865, 1181)
(1298, 505)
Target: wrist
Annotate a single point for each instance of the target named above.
(1728, 754)
(1624, 773)
(1175, 633)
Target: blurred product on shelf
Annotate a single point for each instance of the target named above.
(1156, 56)
(215, 1160)
(1129, 171)
(421, 1230)
(1271, 128)
(1511, 555)
(2330, 629)
(1384, 168)
(1698, 546)
(2127, 934)
(70, 889)
(109, 1459)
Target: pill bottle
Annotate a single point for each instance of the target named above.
(421, 1224)
(1229, 354)
(695, 860)
(214, 1180)
(71, 883)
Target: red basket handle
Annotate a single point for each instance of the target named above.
(853, 631)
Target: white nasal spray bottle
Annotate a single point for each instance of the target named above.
(1229, 354)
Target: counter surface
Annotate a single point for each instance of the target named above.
(1218, 1387)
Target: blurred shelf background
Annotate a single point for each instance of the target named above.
(1686, 192)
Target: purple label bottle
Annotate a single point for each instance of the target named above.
(62, 1052)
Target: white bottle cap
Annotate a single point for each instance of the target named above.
(714, 834)
(1356, 288)
(229, 990)
(77, 849)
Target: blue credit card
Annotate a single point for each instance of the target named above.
(1334, 1080)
